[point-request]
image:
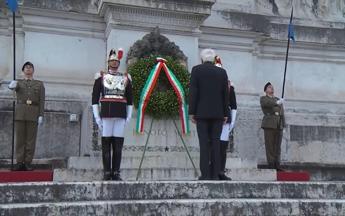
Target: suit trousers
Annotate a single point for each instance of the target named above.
(26, 133)
(223, 148)
(273, 140)
(209, 131)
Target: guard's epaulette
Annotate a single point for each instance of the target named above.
(232, 84)
(99, 74)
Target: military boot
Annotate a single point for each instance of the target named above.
(117, 156)
(106, 158)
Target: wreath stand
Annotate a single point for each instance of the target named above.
(183, 142)
(145, 95)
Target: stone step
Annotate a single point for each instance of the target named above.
(132, 160)
(182, 207)
(45, 192)
(42, 164)
(126, 174)
(158, 173)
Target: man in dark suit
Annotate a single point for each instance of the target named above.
(273, 123)
(208, 108)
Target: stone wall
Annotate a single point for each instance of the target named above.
(58, 137)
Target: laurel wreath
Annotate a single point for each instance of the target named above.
(163, 101)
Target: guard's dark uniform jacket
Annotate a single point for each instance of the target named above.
(232, 102)
(114, 92)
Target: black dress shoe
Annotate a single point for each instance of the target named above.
(19, 167)
(223, 177)
(117, 177)
(28, 167)
(202, 178)
(107, 176)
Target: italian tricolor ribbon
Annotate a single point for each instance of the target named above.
(147, 91)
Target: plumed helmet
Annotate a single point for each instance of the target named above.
(217, 61)
(115, 56)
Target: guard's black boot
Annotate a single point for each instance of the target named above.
(117, 156)
(106, 158)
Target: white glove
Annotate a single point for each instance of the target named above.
(96, 115)
(129, 77)
(233, 119)
(232, 125)
(129, 113)
(280, 101)
(13, 84)
(40, 120)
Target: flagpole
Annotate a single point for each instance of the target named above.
(287, 53)
(286, 61)
(13, 5)
(14, 78)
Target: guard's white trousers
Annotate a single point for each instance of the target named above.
(113, 127)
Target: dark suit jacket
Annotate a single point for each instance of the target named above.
(209, 94)
(273, 113)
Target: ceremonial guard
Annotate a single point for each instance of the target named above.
(228, 127)
(273, 123)
(112, 93)
(29, 114)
